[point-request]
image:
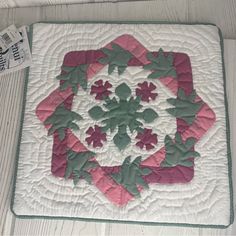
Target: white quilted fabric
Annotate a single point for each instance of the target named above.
(205, 200)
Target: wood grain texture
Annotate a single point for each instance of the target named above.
(150, 10)
(11, 94)
(57, 228)
(26, 3)
(222, 13)
(11, 90)
(230, 59)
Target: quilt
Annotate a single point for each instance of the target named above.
(125, 122)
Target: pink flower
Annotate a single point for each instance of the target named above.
(96, 136)
(100, 89)
(145, 91)
(147, 139)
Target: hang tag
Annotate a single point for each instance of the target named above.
(16, 57)
(9, 37)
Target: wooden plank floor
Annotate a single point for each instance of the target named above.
(223, 13)
(220, 12)
(27, 3)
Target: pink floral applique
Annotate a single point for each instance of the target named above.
(147, 139)
(145, 91)
(101, 89)
(96, 136)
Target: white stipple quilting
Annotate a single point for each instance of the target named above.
(205, 200)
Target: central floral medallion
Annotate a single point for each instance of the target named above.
(122, 114)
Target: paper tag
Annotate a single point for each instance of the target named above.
(17, 56)
(9, 37)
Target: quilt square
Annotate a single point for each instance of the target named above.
(125, 122)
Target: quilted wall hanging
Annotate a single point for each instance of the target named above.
(125, 122)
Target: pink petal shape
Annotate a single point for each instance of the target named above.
(139, 136)
(99, 82)
(149, 146)
(145, 98)
(96, 136)
(89, 140)
(140, 144)
(153, 96)
(146, 139)
(107, 85)
(138, 92)
(90, 130)
(144, 85)
(97, 143)
(145, 91)
(152, 86)
(103, 137)
(101, 90)
(98, 96)
(97, 128)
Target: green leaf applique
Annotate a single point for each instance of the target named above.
(121, 139)
(162, 66)
(179, 152)
(116, 57)
(149, 115)
(185, 106)
(73, 77)
(78, 165)
(61, 119)
(122, 114)
(130, 175)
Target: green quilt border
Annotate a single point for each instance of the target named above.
(123, 221)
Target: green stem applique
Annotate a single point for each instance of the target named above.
(116, 57)
(61, 119)
(185, 106)
(78, 165)
(130, 175)
(122, 114)
(73, 77)
(179, 152)
(162, 66)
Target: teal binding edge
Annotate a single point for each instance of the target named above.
(123, 221)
